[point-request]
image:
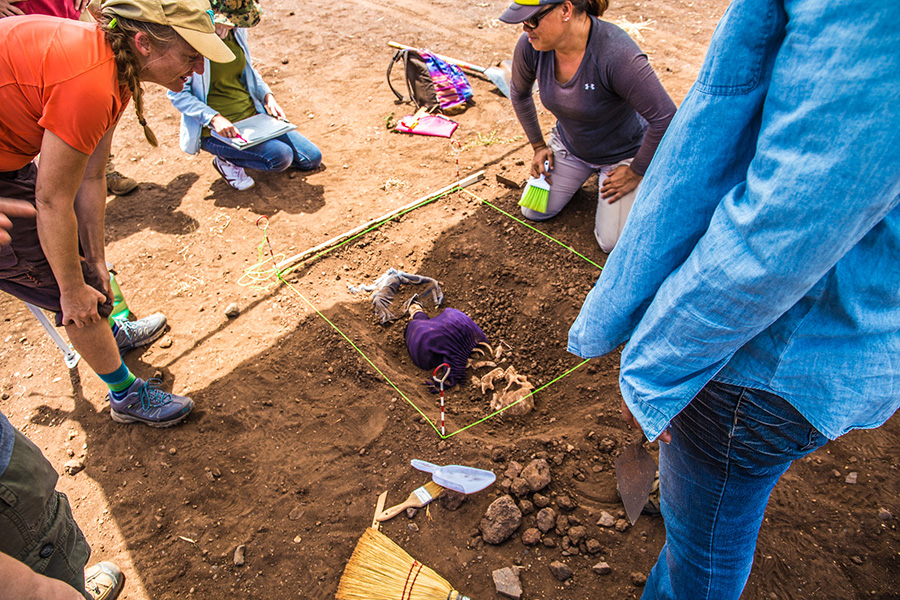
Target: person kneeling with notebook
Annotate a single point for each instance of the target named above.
(213, 102)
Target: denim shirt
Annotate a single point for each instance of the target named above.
(191, 101)
(763, 249)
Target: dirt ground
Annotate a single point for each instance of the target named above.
(295, 432)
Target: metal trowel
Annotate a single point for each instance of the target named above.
(635, 471)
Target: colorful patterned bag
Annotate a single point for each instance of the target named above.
(432, 82)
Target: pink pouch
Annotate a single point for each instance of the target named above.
(435, 125)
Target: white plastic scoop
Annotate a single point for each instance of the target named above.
(466, 480)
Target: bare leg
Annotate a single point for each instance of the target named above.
(96, 344)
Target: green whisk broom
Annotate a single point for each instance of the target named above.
(537, 192)
(379, 569)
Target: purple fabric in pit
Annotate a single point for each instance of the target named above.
(447, 338)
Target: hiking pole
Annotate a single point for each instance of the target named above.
(69, 355)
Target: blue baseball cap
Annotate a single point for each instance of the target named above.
(522, 10)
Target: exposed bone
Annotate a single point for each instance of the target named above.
(487, 380)
(502, 400)
(483, 363)
(481, 348)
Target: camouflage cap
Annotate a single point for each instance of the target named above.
(237, 13)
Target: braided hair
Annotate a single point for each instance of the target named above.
(591, 7)
(119, 33)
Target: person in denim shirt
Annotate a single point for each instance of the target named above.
(222, 94)
(756, 280)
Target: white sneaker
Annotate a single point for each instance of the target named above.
(233, 174)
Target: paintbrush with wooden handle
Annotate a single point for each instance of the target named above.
(417, 499)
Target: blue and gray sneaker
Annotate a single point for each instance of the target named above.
(146, 403)
(133, 334)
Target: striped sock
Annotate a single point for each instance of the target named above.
(118, 381)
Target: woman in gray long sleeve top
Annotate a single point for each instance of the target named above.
(611, 110)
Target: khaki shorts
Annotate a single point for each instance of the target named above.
(36, 523)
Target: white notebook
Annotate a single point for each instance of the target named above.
(255, 130)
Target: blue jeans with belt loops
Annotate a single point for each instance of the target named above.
(729, 447)
(288, 150)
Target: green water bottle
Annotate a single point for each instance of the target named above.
(120, 307)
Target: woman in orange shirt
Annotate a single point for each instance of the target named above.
(64, 104)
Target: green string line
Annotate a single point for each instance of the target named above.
(363, 354)
(533, 392)
(280, 275)
(520, 221)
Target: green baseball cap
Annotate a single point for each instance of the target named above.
(191, 19)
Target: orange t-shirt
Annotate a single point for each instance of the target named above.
(59, 75)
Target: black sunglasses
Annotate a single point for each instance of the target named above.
(533, 22)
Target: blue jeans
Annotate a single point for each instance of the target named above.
(729, 447)
(288, 150)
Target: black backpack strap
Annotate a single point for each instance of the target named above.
(397, 56)
(406, 58)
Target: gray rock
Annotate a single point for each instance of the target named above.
(852, 476)
(451, 499)
(540, 500)
(507, 583)
(537, 474)
(606, 520)
(560, 570)
(531, 536)
(546, 519)
(73, 466)
(602, 568)
(411, 512)
(232, 310)
(884, 514)
(501, 520)
(412, 527)
(239, 555)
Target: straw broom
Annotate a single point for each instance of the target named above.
(379, 569)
